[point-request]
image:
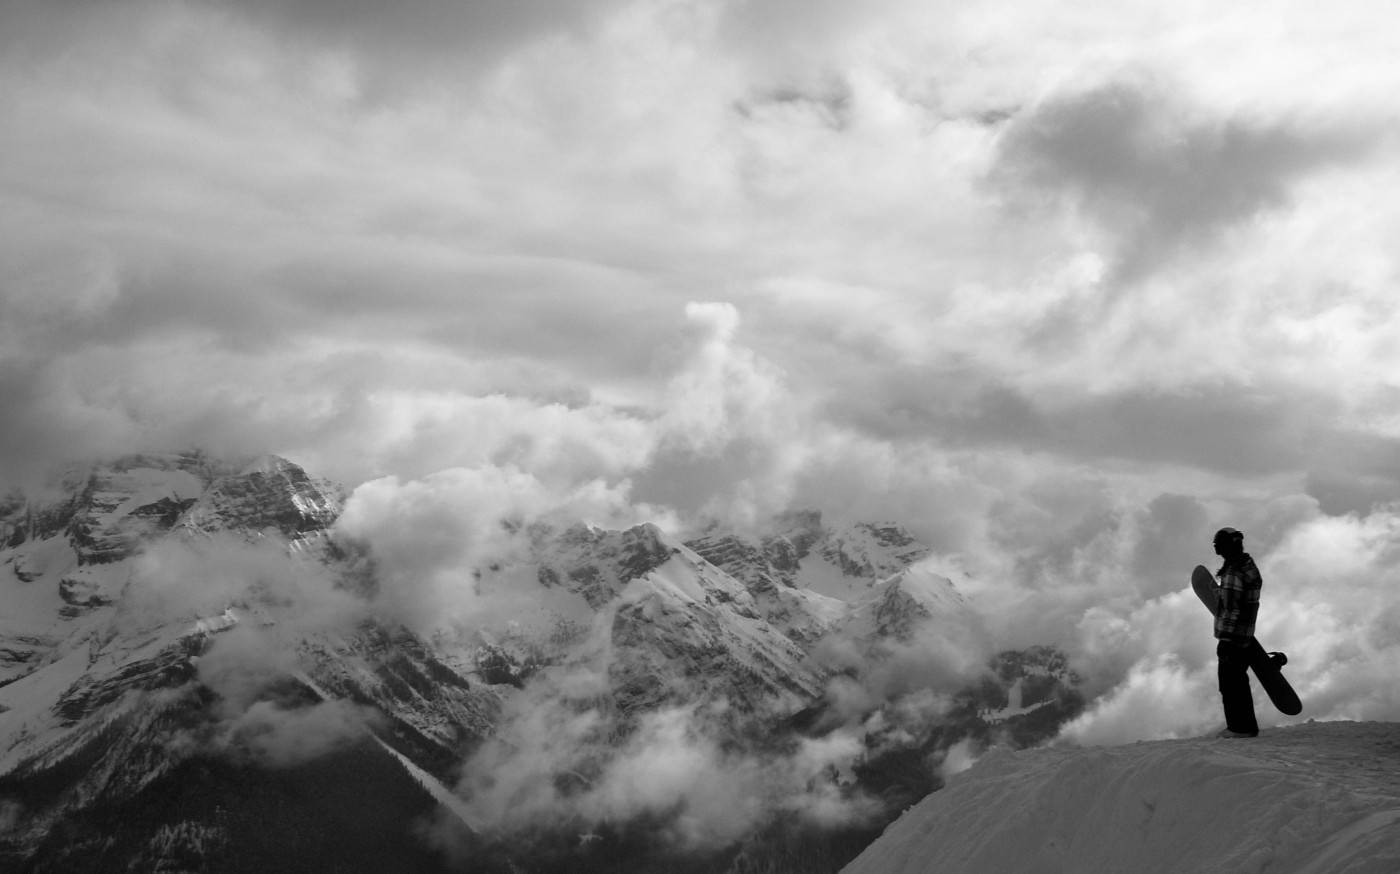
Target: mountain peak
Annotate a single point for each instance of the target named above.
(269, 464)
(270, 494)
(873, 550)
(595, 562)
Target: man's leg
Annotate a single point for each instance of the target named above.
(1234, 688)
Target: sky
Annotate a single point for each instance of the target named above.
(1062, 287)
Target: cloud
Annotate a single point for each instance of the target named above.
(241, 664)
(556, 767)
(284, 737)
(432, 539)
(728, 434)
(259, 712)
(668, 765)
(240, 206)
(908, 677)
(423, 35)
(180, 578)
(959, 757)
(237, 216)
(1170, 528)
(50, 423)
(1224, 424)
(257, 716)
(1157, 177)
(11, 815)
(1158, 699)
(420, 40)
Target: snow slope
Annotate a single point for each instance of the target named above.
(1319, 798)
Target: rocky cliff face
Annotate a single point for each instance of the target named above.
(268, 496)
(690, 632)
(597, 564)
(188, 643)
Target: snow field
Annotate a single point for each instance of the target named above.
(1321, 798)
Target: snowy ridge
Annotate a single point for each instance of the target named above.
(686, 626)
(805, 576)
(1320, 798)
(269, 495)
(899, 607)
(429, 706)
(595, 563)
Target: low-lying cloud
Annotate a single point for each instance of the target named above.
(188, 577)
(431, 539)
(260, 602)
(278, 736)
(260, 713)
(557, 762)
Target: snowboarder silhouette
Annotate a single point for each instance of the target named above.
(1240, 584)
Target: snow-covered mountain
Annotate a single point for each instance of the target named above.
(804, 574)
(116, 704)
(1318, 798)
(198, 672)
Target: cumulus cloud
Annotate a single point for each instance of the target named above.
(722, 388)
(729, 433)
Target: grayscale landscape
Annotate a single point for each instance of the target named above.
(713, 436)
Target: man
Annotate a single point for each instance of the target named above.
(1238, 595)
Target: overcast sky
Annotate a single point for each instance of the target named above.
(1029, 276)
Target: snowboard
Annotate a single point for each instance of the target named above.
(1266, 665)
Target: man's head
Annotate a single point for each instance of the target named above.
(1229, 543)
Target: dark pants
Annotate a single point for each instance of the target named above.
(1234, 688)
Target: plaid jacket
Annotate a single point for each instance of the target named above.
(1238, 596)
